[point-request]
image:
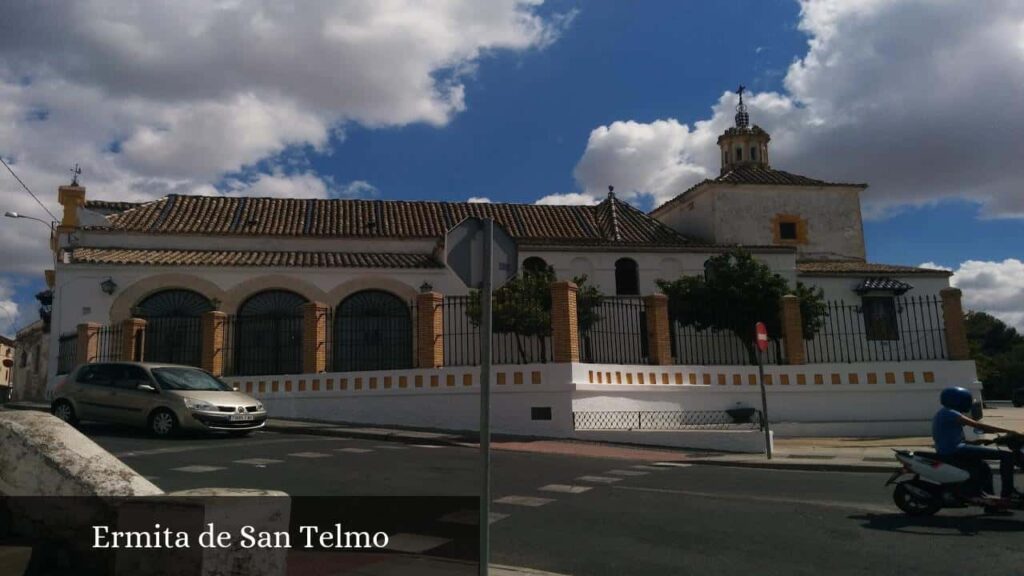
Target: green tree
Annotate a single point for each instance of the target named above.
(998, 351)
(522, 307)
(734, 294)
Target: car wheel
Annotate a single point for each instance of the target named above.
(163, 423)
(65, 411)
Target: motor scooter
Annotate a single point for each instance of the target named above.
(926, 482)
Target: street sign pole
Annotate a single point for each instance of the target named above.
(485, 398)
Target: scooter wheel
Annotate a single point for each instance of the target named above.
(914, 505)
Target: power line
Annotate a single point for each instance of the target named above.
(41, 205)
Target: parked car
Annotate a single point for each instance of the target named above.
(1018, 397)
(165, 398)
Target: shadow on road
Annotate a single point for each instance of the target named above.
(941, 525)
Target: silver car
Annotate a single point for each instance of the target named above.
(165, 398)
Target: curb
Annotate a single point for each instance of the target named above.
(800, 466)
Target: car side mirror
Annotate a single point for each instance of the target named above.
(145, 388)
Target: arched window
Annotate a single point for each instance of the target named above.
(173, 332)
(268, 333)
(534, 264)
(372, 331)
(627, 280)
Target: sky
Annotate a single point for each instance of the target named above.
(523, 101)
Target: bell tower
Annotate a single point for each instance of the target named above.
(743, 145)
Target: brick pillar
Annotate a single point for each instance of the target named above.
(213, 325)
(658, 337)
(133, 339)
(792, 329)
(429, 330)
(565, 331)
(314, 337)
(88, 342)
(953, 318)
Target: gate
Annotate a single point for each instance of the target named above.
(372, 331)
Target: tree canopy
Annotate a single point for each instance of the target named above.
(735, 292)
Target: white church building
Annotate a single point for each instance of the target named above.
(364, 284)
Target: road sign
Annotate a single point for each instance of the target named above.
(464, 253)
(762, 336)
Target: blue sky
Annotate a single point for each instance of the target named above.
(515, 101)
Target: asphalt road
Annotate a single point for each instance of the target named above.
(611, 517)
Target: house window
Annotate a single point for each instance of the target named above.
(880, 323)
(787, 231)
(627, 280)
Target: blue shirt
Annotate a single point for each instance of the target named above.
(947, 431)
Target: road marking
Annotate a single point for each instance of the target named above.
(353, 450)
(310, 455)
(414, 543)
(471, 517)
(531, 501)
(218, 445)
(599, 479)
(196, 468)
(564, 488)
(627, 473)
(672, 464)
(766, 499)
(258, 461)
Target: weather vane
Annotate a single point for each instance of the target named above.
(76, 171)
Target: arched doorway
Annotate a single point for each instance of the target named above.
(173, 332)
(268, 334)
(372, 331)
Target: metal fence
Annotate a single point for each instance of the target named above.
(617, 332)
(913, 329)
(262, 345)
(67, 352)
(737, 419)
(716, 347)
(174, 340)
(108, 344)
(522, 331)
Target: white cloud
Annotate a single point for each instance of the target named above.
(914, 97)
(568, 198)
(479, 200)
(993, 287)
(175, 97)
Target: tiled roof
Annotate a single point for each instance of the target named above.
(882, 283)
(612, 222)
(251, 258)
(830, 267)
(758, 175)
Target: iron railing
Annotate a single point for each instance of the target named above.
(914, 331)
(717, 347)
(67, 352)
(262, 345)
(174, 340)
(109, 343)
(522, 331)
(617, 332)
(739, 419)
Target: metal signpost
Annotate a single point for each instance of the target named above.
(762, 346)
(484, 256)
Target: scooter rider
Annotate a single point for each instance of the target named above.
(948, 435)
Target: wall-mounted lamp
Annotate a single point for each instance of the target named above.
(426, 287)
(108, 286)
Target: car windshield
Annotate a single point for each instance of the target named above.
(187, 379)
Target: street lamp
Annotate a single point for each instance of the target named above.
(12, 214)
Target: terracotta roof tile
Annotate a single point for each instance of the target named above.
(611, 222)
(141, 257)
(829, 267)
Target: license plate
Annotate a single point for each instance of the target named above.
(242, 418)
